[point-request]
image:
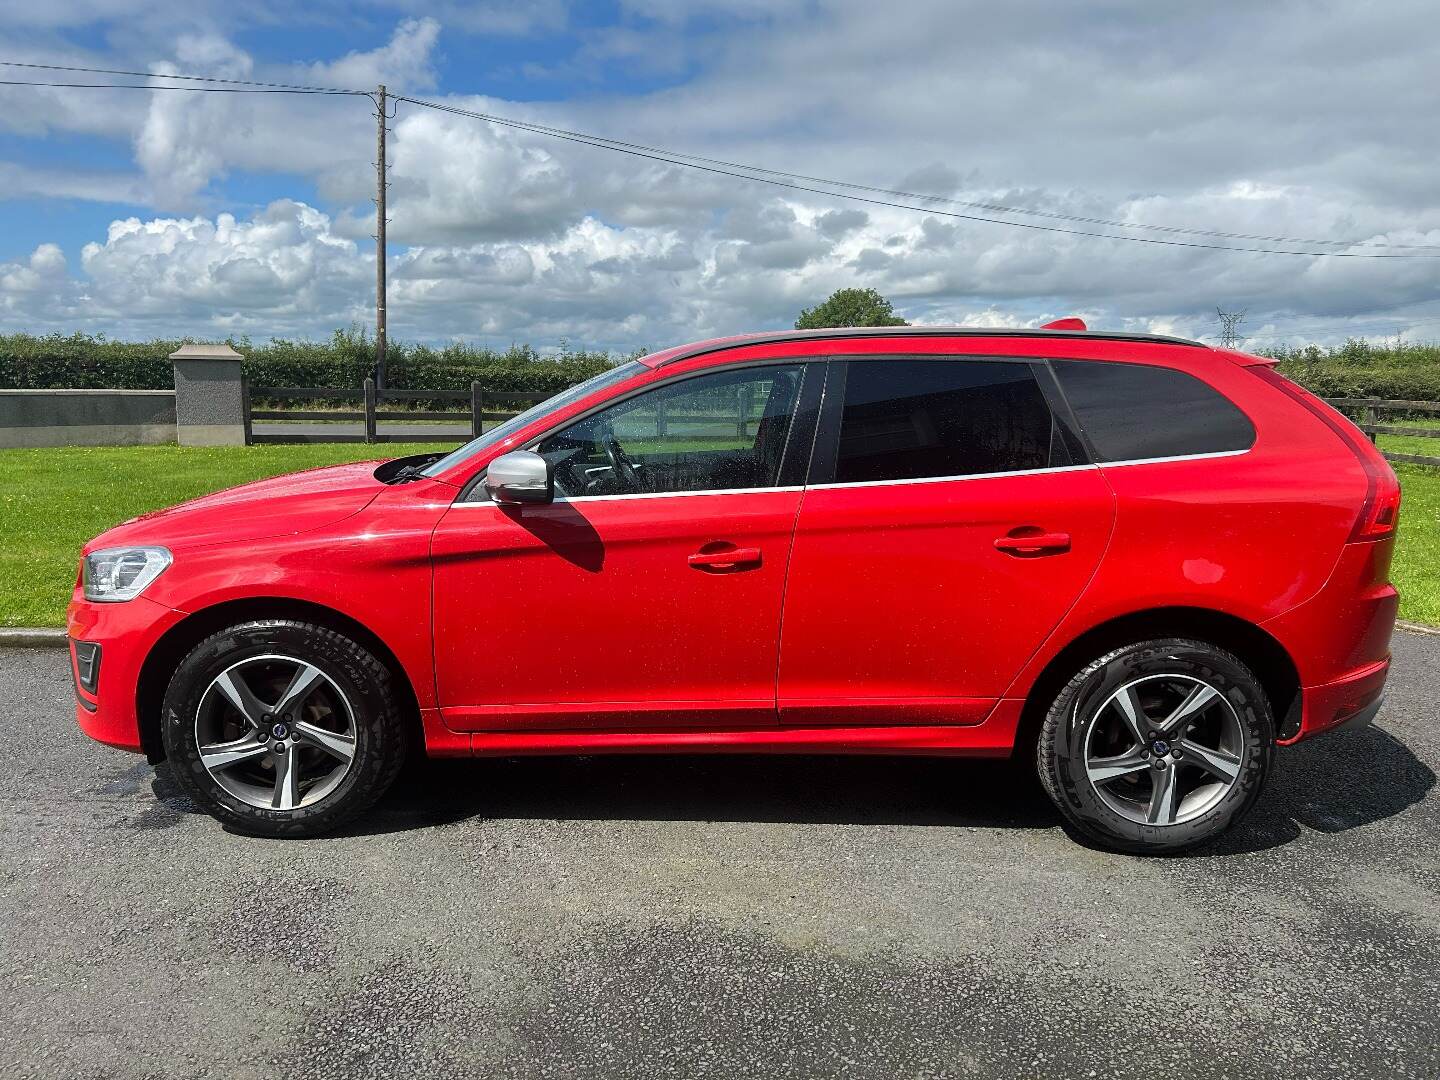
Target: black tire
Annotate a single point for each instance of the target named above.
(1080, 714)
(379, 743)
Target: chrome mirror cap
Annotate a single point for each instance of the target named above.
(519, 477)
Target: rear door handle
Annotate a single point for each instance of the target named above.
(727, 557)
(1031, 541)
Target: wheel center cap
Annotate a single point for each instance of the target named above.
(280, 731)
(1160, 748)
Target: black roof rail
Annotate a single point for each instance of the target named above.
(775, 337)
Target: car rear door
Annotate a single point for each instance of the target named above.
(950, 523)
(648, 595)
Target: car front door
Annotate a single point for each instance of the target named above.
(648, 594)
(950, 525)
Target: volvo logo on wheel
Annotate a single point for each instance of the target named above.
(1159, 747)
(280, 731)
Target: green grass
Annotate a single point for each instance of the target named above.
(52, 501)
(1416, 570)
(1412, 444)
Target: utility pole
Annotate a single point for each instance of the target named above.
(380, 186)
(1230, 327)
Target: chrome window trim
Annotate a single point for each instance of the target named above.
(952, 479)
(889, 483)
(1177, 457)
(651, 495)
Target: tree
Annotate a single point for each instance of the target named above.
(850, 307)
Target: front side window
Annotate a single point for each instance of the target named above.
(918, 419)
(1133, 412)
(713, 432)
(501, 432)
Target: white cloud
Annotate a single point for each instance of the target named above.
(1125, 114)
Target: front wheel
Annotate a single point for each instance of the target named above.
(1158, 746)
(281, 728)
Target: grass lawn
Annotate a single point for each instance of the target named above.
(52, 501)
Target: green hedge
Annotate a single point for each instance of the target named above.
(347, 359)
(1410, 372)
(1356, 369)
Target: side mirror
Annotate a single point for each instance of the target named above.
(519, 477)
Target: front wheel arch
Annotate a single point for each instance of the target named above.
(176, 642)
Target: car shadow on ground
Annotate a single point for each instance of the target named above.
(1330, 785)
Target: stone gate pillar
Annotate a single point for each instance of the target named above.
(209, 396)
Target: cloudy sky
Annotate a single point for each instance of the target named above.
(139, 213)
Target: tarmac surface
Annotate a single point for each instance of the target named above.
(716, 917)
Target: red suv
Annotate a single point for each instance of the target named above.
(1142, 561)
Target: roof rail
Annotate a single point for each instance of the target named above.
(775, 337)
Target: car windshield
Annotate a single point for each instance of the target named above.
(503, 431)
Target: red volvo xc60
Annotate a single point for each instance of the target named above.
(1141, 561)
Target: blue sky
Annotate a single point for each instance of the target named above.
(138, 214)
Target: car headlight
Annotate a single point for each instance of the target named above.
(116, 574)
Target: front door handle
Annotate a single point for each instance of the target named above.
(722, 557)
(1029, 541)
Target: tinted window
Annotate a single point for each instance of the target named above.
(501, 432)
(911, 419)
(713, 432)
(1134, 411)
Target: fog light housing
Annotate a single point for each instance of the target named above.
(87, 665)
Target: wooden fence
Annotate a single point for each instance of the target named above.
(1369, 412)
(479, 405)
(728, 420)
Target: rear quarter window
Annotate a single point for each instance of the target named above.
(1135, 411)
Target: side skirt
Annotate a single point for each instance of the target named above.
(994, 738)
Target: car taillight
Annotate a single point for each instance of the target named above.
(1380, 512)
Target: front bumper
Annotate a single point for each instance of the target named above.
(126, 634)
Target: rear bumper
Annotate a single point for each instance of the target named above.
(1350, 702)
(125, 633)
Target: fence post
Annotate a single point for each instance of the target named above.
(1372, 417)
(477, 407)
(662, 421)
(747, 402)
(369, 410)
(245, 409)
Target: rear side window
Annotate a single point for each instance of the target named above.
(917, 419)
(1133, 411)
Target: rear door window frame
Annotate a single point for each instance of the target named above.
(825, 458)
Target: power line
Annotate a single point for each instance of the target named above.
(1337, 328)
(618, 144)
(775, 177)
(662, 156)
(190, 89)
(177, 78)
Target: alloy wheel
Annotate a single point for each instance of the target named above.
(275, 732)
(1164, 749)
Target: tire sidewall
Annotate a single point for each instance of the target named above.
(1076, 712)
(351, 668)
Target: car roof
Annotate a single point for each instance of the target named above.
(710, 345)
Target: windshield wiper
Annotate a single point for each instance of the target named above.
(404, 470)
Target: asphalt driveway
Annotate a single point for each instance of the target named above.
(716, 917)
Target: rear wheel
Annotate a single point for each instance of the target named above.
(282, 728)
(1158, 746)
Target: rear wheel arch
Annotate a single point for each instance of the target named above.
(176, 642)
(1256, 648)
